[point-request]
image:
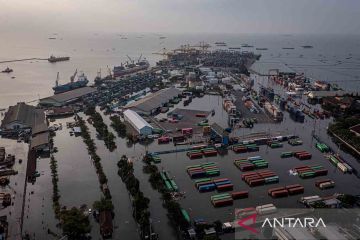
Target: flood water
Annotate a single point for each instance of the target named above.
(79, 185)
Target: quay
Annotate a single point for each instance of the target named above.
(22, 60)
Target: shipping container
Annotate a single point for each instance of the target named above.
(240, 194)
(279, 193)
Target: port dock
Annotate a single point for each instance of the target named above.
(23, 60)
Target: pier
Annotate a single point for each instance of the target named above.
(22, 60)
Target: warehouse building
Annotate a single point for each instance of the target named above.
(138, 123)
(40, 142)
(62, 99)
(152, 103)
(23, 116)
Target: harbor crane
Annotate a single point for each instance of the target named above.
(140, 58)
(132, 61)
(163, 52)
(203, 46)
(73, 76)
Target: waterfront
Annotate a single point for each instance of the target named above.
(78, 177)
(333, 58)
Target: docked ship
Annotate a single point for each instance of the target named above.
(220, 44)
(82, 81)
(129, 68)
(54, 59)
(7, 70)
(100, 80)
(247, 45)
(261, 49)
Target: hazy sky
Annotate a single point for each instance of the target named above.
(231, 16)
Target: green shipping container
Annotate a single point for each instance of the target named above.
(185, 215)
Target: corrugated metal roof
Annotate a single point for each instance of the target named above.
(39, 139)
(70, 95)
(154, 100)
(263, 68)
(136, 119)
(25, 114)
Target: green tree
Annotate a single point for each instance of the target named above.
(74, 223)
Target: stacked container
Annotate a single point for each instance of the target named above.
(302, 155)
(221, 200)
(203, 170)
(322, 147)
(260, 178)
(325, 184)
(295, 142)
(286, 154)
(285, 191)
(311, 171)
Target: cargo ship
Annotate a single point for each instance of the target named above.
(7, 70)
(81, 82)
(221, 44)
(289, 48)
(307, 46)
(129, 68)
(54, 59)
(100, 80)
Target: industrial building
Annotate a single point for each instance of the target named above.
(62, 99)
(23, 116)
(40, 142)
(152, 103)
(138, 123)
(270, 69)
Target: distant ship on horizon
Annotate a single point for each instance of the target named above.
(54, 59)
(81, 82)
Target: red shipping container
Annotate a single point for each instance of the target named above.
(297, 190)
(226, 187)
(275, 189)
(239, 195)
(280, 193)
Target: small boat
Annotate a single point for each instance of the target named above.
(7, 70)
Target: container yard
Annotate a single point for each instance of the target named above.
(216, 148)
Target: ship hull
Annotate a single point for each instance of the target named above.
(124, 72)
(61, 59)
(69, 86)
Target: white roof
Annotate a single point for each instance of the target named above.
(77, 129)
(136, 119)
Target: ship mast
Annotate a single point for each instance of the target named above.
(57, 80)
